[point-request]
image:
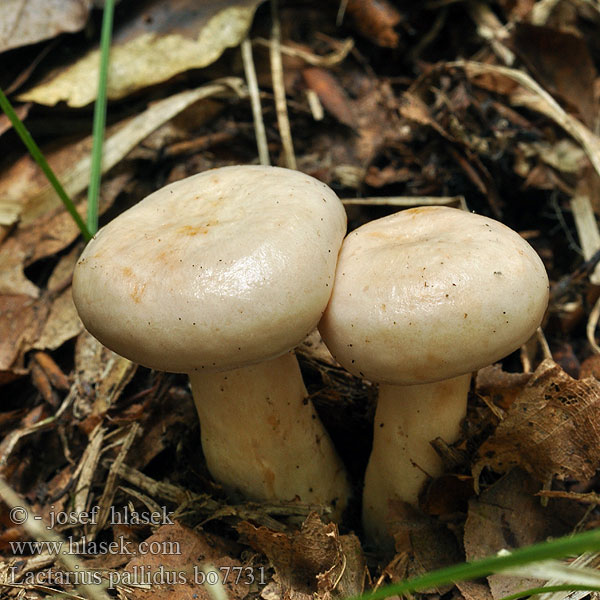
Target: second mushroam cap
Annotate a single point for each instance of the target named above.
(431, 293)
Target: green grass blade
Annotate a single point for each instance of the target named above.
(566, 587)
(99, 117)
(559, 548)
(37, 155)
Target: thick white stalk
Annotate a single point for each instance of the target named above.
(261, 435)
(407, 419)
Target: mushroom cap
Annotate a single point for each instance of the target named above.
(431, 293)
(220, 270)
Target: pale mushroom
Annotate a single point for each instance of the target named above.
(220, 276)
(421, 299)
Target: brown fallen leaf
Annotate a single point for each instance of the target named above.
(415, 109)
(375, 19)
(502, 387)
(315, 562)
(508, 515)
(21, 324)
(428, 543)
(63, 321)
(174, 570)
(473, 590)
(550, 54)
(345, 156)
(45, 236)
(25, 22)
(331, 94)
(22, 111)
(26, 195)
(590, 367)
(100, 378)
(551, 430)
(446, 495)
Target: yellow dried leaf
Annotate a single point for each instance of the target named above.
(141, 58)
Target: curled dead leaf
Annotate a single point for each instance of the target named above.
(313, 562)
(550, 430)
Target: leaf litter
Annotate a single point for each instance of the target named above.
(393, 105)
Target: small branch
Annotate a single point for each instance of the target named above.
(279, 89)
(38, 529)
(259, 125)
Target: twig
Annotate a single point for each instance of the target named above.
(408, 201)
(561, 287)
(39, 530)
(592, 323)
(54, 593)
(283, 121)
(491, 29)
(563, 224)
(543, 343)
(339, 19)
(111, 481)
(87, 466)
(587, 229)
(10, 441)
(316, 60)
(259, 125)
(316, 108)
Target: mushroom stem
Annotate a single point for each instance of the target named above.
(407, 419)
(261, 435)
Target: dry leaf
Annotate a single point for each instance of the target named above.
(314, 559)
(63, 321)
(153, 45)
(551, 430)
(176, 570)
(502, 387)
(22, 112)
(590, 367)
(375, 19)
(21, 323)
(100, 377)
(428, 542)
(331, 94)
(508, 515)
(473, 590)
(25, 22)
(550, 54)
(25, 193)
(525, 91)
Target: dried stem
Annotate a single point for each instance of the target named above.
(279, 89)
(259, 125)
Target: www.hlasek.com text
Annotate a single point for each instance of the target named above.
(72, 545)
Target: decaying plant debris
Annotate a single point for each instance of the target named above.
(493, 107)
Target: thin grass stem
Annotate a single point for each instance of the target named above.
(559, 548)
(37, 155)
(99, 117)
(566, 587)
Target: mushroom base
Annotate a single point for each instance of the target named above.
(407, 419)
(262, 437)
